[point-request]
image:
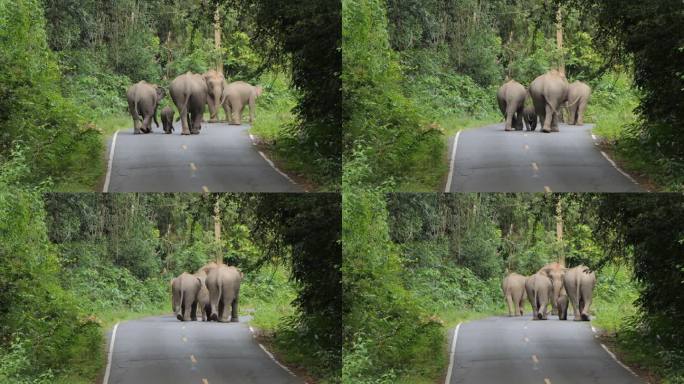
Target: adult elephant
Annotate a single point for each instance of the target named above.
(143, 100)
(215, 82)
(236, 96)
(189, 93)
(538, 288)
(579, 284)
(579, 95)
(554, 271)
(514, 293)
(223, 283)
(203, 300)
(184, 291)
(549, 92)
(511, 98)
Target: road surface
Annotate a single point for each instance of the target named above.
(163, 350)
(221, 158)
(519, 350)
(490, 159)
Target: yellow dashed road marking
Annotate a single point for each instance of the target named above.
(185, 339)
(184, 147)
(534, 358)
(535, 167)
(192, 358)
(205, 381)
(547, 189)
(527, 340)
(526, 147)
(205, 189)
(547, 381)
(193, 166)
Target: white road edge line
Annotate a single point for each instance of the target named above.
(452, 162)
(111, 353)
(108, 178)
(276, 168)
(625, 174)
(451, 355)
(276, 361)
(618, 361)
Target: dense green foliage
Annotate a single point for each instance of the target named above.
(431, 260)
(66, 66)
(449, 57)
(75, 261)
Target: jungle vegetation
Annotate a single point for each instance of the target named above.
(425, 262)
(74, 264)
(65, 67)
(415, 72)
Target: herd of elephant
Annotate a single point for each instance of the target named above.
(552, 285)
(548, 93)
(214, 289)
(190, 92)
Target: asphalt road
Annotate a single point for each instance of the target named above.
(163, 350)
(519, 350)
(221, 158)
(490, 159)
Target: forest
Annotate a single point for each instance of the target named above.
(75, 264)
(65, 67)
(416, 72)
(427, 262)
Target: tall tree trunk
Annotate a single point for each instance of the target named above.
(559, 231)
(217, 230)
(217, 38)
(559, 40)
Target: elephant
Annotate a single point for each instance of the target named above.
(555, 272)
(562, 307)
(167, 119)
(184, 291)
(143, 100)
(236, 96)
(514, 292)
(511, 98)
(538, 288)
(530, 118)
(189, 93)
(223, 283)
(579, 284)
(579, 95)
(549, 92)
(215, 83)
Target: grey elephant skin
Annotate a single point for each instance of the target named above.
(549, 92)
(513, 287)
(215, 83)
(530, 118)
(579, 285)
(203, 301)
(143, 99)
(184, 292)
(223, 283)
(562, 307)
(538, 288)
(579, 95)
(189, 94)
(511, 98)
(554, 271)
(236, 96)
(167, 119)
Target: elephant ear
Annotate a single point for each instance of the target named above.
(161, 92)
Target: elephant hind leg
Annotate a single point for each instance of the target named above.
(234, 317)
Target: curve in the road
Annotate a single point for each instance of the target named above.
(490, 159)
(163, 350)
(520, 350)
(222, 158)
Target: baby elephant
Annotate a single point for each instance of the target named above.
(530, 118)
(167, 119)
(562, 307)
